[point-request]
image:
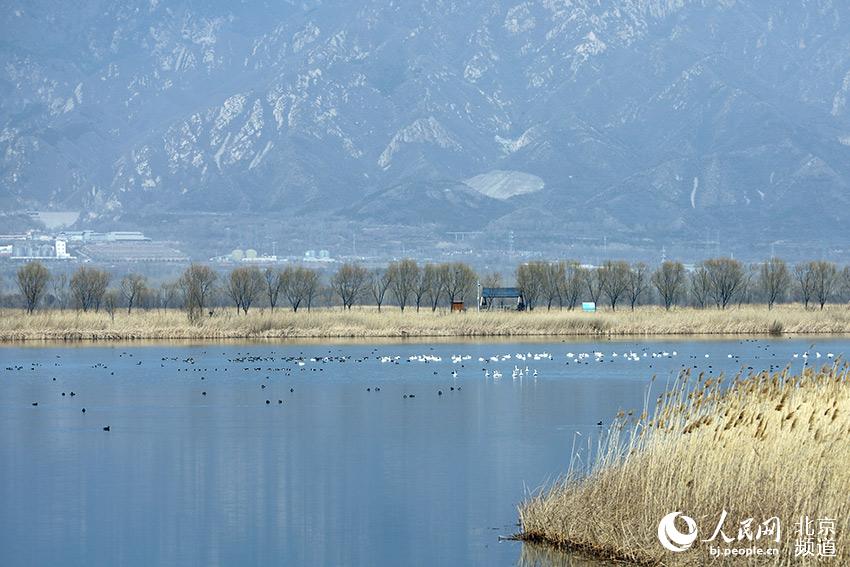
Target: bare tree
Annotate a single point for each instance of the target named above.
(379, 283)
(637, 283)
(774, 280)
(168, 294)
(299, 286)
(700, 286)
(311, 286)
(669, 280)
(423, 285)
(825, 276)
(88, 285)
(348, 283)
(529, 280)
(147, 298)
(573, 283)
(727, 278)
(805, 281)
(458, 281)
(133, 287)
(614, 278)
(593, 283)
(110, 303)
(745, 293)
(404, 277)
(32, 280)
(59, 289)
(244, 286)
(492, 279)
(554, 281)
(432, 282)
(197, 285)
(274, 282)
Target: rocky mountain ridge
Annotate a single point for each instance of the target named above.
(646, 119)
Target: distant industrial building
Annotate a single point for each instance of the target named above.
(322, 256)
(36, 249)
(107, 247)
(86, 236)
(247, 256)
(251, 256)
(261, 259)
(132, 251)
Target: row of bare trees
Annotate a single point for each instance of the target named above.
(723, 281)
(564, 284)
(717, 282)
(406, 282)
(248, 285)
(86, 287)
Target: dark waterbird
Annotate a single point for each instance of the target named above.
(106, 428)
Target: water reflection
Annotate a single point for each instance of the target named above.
(334, 475)
(538, 555)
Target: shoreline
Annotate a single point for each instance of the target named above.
(587, 550)
(367, 323)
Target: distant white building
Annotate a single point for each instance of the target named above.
(61, 249)
(321, 256)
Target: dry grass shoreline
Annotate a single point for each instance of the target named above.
(69, 325)
(769, 445)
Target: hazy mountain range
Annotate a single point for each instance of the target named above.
(642, 119)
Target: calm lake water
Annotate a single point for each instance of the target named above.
(344, 471)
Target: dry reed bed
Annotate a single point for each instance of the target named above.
(768, 445)
(15, 325)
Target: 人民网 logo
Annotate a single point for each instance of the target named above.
(670, 536)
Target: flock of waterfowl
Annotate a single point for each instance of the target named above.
(493, 367)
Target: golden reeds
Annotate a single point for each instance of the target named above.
(764, 445)
(367, 322)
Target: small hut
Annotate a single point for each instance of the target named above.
(507, 297)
